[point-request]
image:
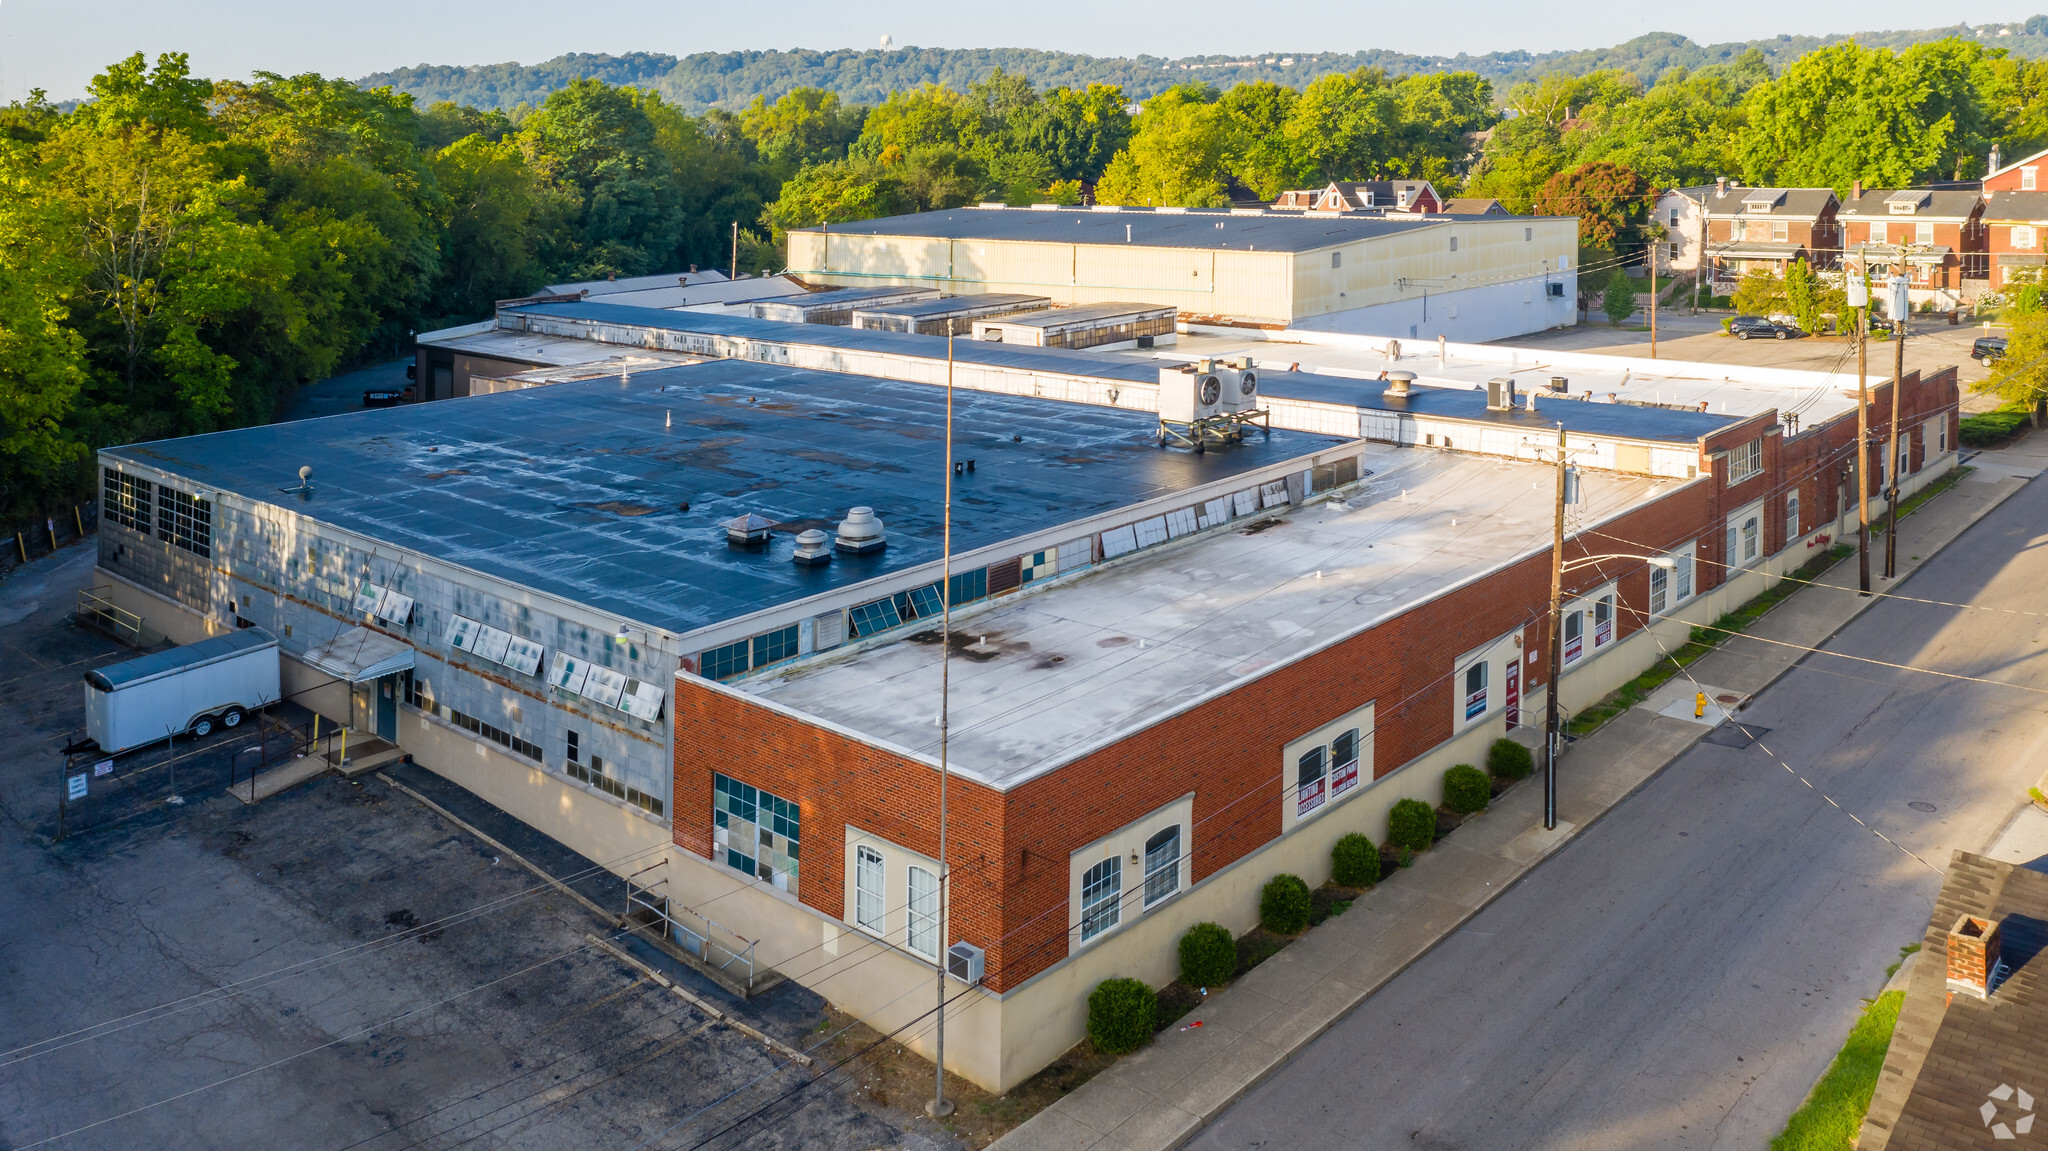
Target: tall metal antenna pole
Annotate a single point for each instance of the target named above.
(940, 1106)
(735, 249)
(1892, 469)
(1862, 431)
(1553, 741)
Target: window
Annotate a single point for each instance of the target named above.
(1574, 636)
(1672, 253)
(869, 618)
(1528, 234)
(1905, 456)
(1791, 518)
(1683, 574)
(1454, 243)
(497, 735)
(1343, 763)
(1308, 780)
(420, 695)
(725, 662)
(184, 520)
(1673, 220)
(1475, 690)
(922, 932)
(757, 830)
(1781, 233)
(1745, 461)
(574, 751)
(1336, 259)
(1940, 436)
(1101, 895)
(1162, 865)
(1877, 231)
(127, 500)
(1752, 532)
(775, 646)
(1603, 621)
(968, 587)
(1923, 233)
(1660, 591)
(867, 889)
(2023, 236)
(919, 602)
(2027, 176)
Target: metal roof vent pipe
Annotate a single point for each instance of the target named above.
(1560, 384)
(1400, 384)
(1500, 394)
(813, 547)
(860, 532)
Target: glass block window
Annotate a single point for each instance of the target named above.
(184, 520)
(869, 618)
(868, 910)
(758, 831)
(1101, 897)
(127, 500)
(968, 587)
(922, 933)
(775, 646)
(1162, 865)
(725, 662)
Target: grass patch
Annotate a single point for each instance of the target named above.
(1913, 502)
(1702, 641)
(1985, 429)
(1833, 1114)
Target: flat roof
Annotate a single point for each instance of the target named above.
(1154, 635)
(1459, 402)
(576, 489)
(1215, 230)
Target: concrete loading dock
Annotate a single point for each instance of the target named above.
(948, 315)
(836, 307)
(1103, 327)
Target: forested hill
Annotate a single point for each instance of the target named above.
(732, 79)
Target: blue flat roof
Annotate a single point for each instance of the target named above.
(576, 489)
(1624, 421)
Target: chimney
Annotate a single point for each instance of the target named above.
(1994, 160)
(1855, 189)
(1720, 185)
(1973, 956)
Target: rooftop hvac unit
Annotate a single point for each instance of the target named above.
(1500, 393)
(1240, 386)
(964, 961)
(1191, 392)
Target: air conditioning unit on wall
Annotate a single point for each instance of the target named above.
(1191, 392)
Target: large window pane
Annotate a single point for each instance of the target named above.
(923, 935)
(1101, 897)
(1162, 865)
(868, 888)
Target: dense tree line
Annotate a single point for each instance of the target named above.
(731, 80)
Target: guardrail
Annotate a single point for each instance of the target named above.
(718, 951)
(100, 613)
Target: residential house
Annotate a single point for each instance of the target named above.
(1936, 237)
(1681, 212)
(1768, 228)
(1365, 195)
(1971, 1046)
(1474, 206)
(2023, 175)
(2016, 230)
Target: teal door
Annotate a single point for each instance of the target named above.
(387, 707)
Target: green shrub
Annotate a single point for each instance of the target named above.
(1466, 789)
(1283, 905)
(1355, 862)
(1727, 322)
(1412, 824)
(1507, 759)
(1121, 1013)
(1208, 955)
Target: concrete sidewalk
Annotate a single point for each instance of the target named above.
(1158, 1097)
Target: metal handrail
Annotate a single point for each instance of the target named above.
(699, 939)
(94, 607)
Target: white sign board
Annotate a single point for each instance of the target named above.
(103, 767)
(76, 789)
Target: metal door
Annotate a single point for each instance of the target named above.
(387, 707)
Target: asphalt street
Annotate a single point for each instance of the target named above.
(1681, 974)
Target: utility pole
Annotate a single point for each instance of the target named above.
(1653, 297)
(1901, 308)
(940, 1106)
(1858, 294)
(735, 249)
(1552, 738)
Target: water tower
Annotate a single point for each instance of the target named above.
(888, 42)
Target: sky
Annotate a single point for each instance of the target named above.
(58, 45)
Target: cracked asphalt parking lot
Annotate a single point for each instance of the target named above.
(312, 972)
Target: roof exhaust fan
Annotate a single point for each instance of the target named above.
(860, 532)
(1400, 385)
(812, 547)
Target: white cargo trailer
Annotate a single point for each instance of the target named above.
(187, 690)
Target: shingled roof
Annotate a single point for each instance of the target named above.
(1953, 1053)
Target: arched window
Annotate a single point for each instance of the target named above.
(1101, 897)
(1162, 865)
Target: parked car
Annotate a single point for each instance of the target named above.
(382, 398)
(1882, 324)
(1988, 350)
(1751, 327)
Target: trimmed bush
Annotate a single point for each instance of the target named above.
(1208, 955)
(1466, 789)
(1283, 905)
(1355, 862)
(1412, 824)
(1507, 759)
(1121, 1013)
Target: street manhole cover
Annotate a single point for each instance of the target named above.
(1732, 734)
(1921, 805)
(1727, 697)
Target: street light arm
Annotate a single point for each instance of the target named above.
(1665, 562)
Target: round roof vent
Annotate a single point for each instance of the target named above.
(860, 532)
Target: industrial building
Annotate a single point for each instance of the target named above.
(951, 316)
(1408, 276)
(836, 307)
(1101, 326)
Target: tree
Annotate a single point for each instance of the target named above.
(1803, 296)
(1760, 293)
(1619, 300)
(42, 361)
(489, 198)
(1610, 201)
(1439, 113)
(1077, 131)
(1175, 156)
(594, 147)
(1257, 148)
(803, 126)
(2021, 376)
(1345, 127)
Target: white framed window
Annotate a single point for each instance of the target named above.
(1877, 231)
(2028, 178)
(1574, 636)
(2022, 236)
(1905, 455)
(1162, 865)
(921, 928)
(1487, 680)
(1672, 587)
(1309, 769)
(1475, 690)
(1745, 535)
(1792, 531)
(1923, 233)
(1102, 897)
(1326, 765)
(1603, 621)
(1660, 591)
(870, 889)
(1937, 435)
(1781, 233)
(1673, 222)
(1681, 575)
(1745, 461)
(1673, 253)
